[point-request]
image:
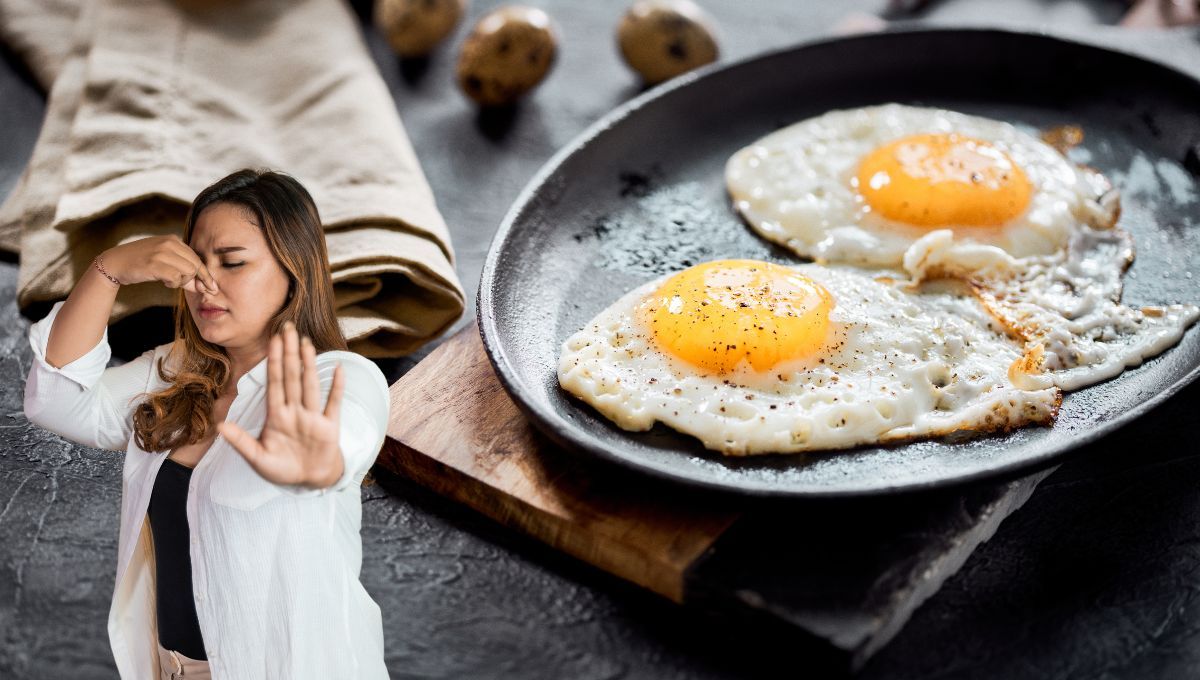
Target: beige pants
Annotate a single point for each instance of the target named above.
(175, 666)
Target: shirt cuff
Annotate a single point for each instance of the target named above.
(86, 370)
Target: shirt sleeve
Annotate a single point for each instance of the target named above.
(366, 403)
(84, 401)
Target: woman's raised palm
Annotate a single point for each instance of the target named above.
(299, 440)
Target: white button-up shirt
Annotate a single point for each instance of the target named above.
(275, 568)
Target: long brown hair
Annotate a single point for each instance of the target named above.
(181, 413)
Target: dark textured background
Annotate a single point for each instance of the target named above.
(1096, 577)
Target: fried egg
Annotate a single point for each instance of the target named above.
(860, 186)
(755, 357)
(1066, 307)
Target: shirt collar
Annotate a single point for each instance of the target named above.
(256, 375)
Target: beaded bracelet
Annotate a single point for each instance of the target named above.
(99, 262)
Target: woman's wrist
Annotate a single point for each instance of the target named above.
(329, 474)
(99, 265)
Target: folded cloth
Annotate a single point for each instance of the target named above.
(153, 100)
(24, 26)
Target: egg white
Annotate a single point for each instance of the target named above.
(794, 187)
(897, 366)
(1066, 307)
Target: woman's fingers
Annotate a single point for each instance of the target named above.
(176, 270)
(210, 282)
(291, 364)
(273, 468)
(333, 408)
(275, 391)
(198, 269)
(171, 269)
(161, 258)
(250, 448)
(202, 281)
(312, 386)
(293, 446)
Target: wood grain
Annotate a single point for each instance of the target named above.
(455, 430)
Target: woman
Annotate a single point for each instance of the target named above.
(245, 443)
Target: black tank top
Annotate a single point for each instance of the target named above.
(178, 627)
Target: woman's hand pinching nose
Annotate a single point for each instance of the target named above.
(165, 259)
(202, 282)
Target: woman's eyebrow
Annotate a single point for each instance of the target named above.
(219, 251)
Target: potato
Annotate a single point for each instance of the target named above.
(414, 27)
(661, 39)
(507, 54)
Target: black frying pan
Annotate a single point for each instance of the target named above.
(641, 193)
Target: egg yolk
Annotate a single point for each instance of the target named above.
(943, 180)
(716, 314)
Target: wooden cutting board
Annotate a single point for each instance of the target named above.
(843, 575)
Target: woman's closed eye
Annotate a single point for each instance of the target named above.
(232, 265)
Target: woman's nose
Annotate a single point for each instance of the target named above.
(214, 271)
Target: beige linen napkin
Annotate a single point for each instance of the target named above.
(39, 31)
(152, 100)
